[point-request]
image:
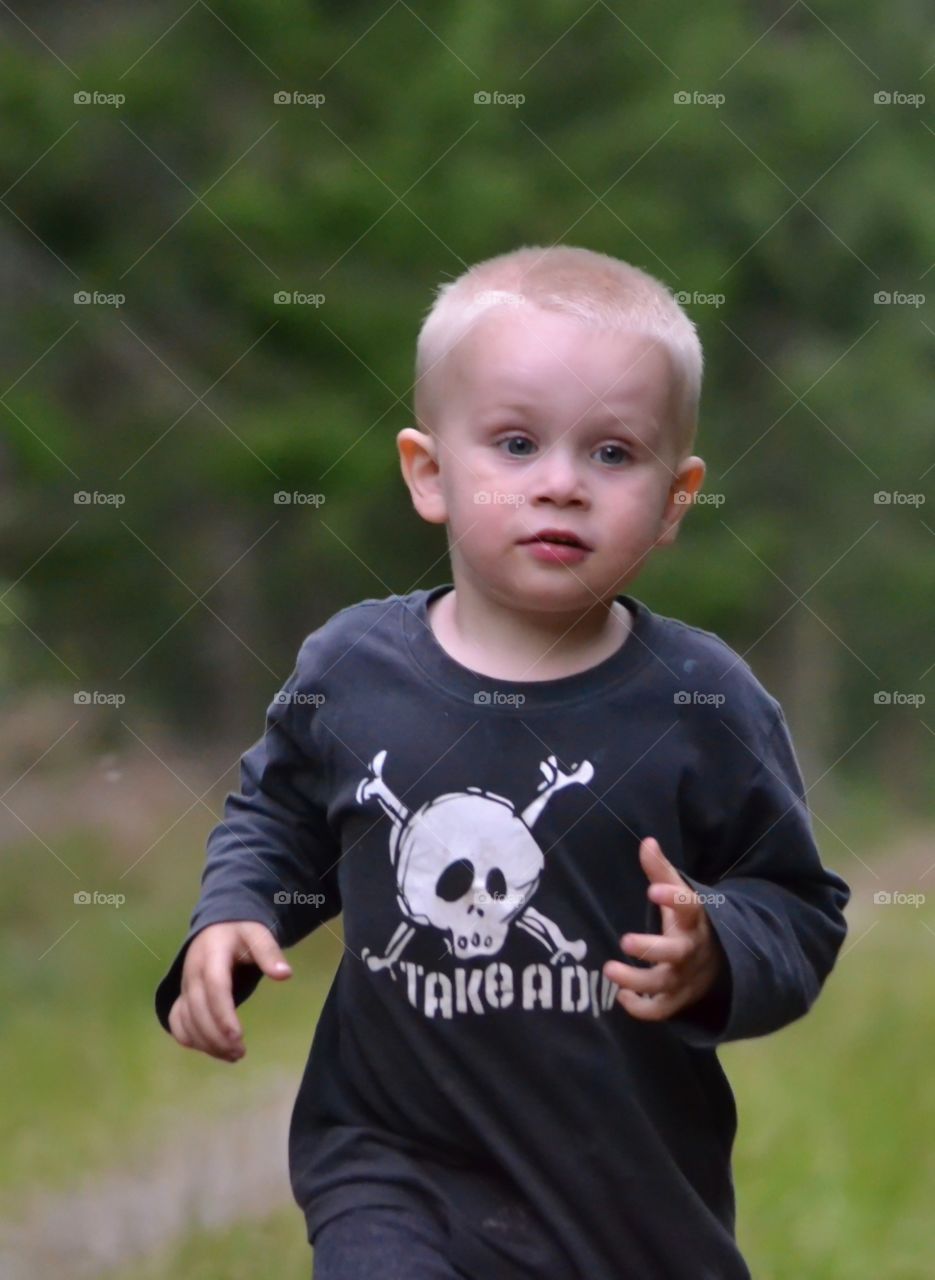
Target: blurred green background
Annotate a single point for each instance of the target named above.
(220, 228)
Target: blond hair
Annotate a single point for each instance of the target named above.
(594, 287)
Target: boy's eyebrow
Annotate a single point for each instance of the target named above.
(602, 415)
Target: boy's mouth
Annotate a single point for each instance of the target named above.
(562, 537)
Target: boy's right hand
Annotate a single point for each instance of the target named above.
(203, 1017)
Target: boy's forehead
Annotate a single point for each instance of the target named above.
(503, 357)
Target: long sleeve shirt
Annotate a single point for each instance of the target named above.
(481, 838)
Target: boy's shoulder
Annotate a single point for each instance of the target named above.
(707, 671)
(340, 636)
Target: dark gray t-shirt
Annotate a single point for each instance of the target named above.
(481, 838)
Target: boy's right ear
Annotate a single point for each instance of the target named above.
(418, 458)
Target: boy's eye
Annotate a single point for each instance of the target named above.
(520, 440)
(613, 453)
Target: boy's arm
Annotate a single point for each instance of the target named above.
(273, 843)
(776, 912)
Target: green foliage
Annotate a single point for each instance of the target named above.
(798, 199)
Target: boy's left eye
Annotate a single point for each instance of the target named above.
(617, 451)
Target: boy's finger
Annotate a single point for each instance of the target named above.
(655, 1010)
(265, 952)
(208, 1036)
(177, 1024)
(656, 948)
(660, 978)
(681, 900)
(217, 984)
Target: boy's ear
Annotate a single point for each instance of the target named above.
(687, 482)
(418, 459)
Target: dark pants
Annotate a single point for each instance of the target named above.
(391, 1244)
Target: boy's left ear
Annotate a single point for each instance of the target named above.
(688, 480)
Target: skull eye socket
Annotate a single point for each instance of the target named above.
(456, 880)
(496, 884)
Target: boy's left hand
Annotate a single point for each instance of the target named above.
(687, 954)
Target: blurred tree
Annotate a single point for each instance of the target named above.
(798, 198)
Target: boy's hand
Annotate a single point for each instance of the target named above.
(203, 1017)
(687, 954)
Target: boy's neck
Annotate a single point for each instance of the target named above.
(508, 644)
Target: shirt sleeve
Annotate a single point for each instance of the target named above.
(776, 912)
(273, 857)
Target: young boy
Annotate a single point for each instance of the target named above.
(507, 785)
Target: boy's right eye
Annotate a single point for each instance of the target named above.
(510, 440)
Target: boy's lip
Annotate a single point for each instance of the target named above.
(559, 535)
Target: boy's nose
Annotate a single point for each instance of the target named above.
(555, 477)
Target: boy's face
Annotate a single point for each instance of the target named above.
(546, 423)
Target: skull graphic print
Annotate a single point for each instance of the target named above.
(468, 865)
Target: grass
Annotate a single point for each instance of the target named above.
(91, 1070)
